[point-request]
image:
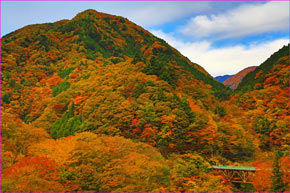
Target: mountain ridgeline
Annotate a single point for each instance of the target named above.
(98, 34)
(74, 75)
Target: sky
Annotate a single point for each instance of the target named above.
(223, 37)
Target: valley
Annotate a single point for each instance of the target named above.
(99, 104)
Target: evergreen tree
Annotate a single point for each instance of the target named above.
(277, 182)
(6, 98)
(63, 86)
(67, 125)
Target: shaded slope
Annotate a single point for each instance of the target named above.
(221, 79)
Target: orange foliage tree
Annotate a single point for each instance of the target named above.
(262, 178)
(32, 174)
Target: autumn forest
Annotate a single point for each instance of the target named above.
(99, 104)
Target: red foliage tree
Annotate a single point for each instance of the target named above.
(33, 173)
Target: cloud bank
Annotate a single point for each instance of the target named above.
(244, 20)
(150, 14)
(224, 60)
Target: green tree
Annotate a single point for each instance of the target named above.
(163, 71)
(262, 126)
(64, 72)
(277, 181)
(6, 98)
(12, 83)
(67, 125)
(56, 90)
(221, 111)
(138, 90)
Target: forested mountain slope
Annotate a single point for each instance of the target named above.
(97, 103)
(102, 73)
(264, 97)
(268, 102)
(264, 94)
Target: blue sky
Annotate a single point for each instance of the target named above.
(223, 37)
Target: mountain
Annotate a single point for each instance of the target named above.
(234, 80)
(221, 79)
(99, 104)
(58, 74)
(82, 97)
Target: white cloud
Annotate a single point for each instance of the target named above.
(150, 14)
(16, 14)
(244, 20)
(225, 60)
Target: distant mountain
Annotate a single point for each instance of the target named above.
(235, 80)
(221, 79)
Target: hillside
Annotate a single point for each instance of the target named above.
(78, 81)
(264, 95)
(235, 80)
(258, 76)
(102, 35)
(221, 79)
(264, 103)
(74, 75)
(99, 104)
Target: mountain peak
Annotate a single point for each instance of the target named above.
(87, 13)
(93, 14)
